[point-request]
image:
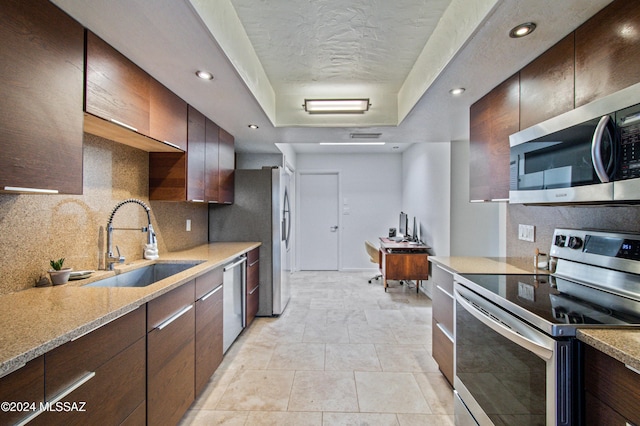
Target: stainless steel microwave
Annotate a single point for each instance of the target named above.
(587, 155)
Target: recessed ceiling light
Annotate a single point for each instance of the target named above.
(522, 30)
(457, 91)
(253, 126)
(204, 75)
(336, 106)
(351, 143)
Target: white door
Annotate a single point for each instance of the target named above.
(318, 219)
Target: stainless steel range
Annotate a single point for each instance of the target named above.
(517, 359)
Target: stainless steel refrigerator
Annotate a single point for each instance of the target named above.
(261, 212)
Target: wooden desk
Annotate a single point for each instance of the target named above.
(403, 261)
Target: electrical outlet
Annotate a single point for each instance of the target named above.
(188, 225)
(527, 233)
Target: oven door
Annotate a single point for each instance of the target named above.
(508, 372)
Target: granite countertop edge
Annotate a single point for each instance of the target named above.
(620, 344)
(112, 303)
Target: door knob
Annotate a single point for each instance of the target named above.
(334, 228)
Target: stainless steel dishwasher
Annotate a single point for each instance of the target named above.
(233, 291)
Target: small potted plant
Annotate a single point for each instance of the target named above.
(58, 274)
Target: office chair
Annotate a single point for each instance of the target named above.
(372, 251)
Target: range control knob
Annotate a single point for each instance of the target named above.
(560, 240)
(575, 243)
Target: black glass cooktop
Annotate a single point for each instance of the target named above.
(555, 300)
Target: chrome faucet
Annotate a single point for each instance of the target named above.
(110, 258)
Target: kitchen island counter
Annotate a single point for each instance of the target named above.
(37, 320)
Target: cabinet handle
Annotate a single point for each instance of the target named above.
(478, 201)
(197, 201)
(173, 145)
(37, 190)
(635, 370)
(254, 290)
(174, 317)
(253, 263)
(208, 295)
(445, 331)
(233, 265)
(58, 398)
(499, 199)
(120, 123)
(445, 292)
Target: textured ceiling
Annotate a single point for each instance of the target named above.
(171, 40)
(388, 52)
(359, 41)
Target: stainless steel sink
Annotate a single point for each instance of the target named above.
(144, 276)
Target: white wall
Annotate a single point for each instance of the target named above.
(371, 184)
(426, 192)
(477, 229)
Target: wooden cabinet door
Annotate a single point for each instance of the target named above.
(23, 385)
(212, 162)
(607, 51)
(227, 163)
(116, 89)
(614, 385)
(493, 118)
(167, 116)
(547, 84)
(479, 150)
(253, 285)
(40, 117)
(505, 121)
(107, 361)
(170, 355)
(196, 155)
(209, 327)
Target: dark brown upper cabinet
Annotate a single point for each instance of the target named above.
(196, 174)
(125, 104)
(547, 84)
(167, 116)
(607, 51)
(41, 81)
(493, 118)
(227, 165)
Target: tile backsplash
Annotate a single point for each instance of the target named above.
(547, 218)
(37, 228)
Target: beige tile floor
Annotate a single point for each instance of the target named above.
(343, 353)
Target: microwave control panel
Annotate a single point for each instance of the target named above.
(629, 126)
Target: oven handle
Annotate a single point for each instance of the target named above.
(543, 351)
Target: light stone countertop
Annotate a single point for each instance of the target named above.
(621, 344)
(37, 320)
(485, 265)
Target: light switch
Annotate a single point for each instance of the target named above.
(188, 225)
(527, 233)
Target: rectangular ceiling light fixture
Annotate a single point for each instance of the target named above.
(351, 143)
(336, 106)
(365, 135)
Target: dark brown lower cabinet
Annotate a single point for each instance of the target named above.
(442, 320)
(209, 316)
(99, 377)
(170, 355)
(253, 285)
(23, 385)
(612, 390)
